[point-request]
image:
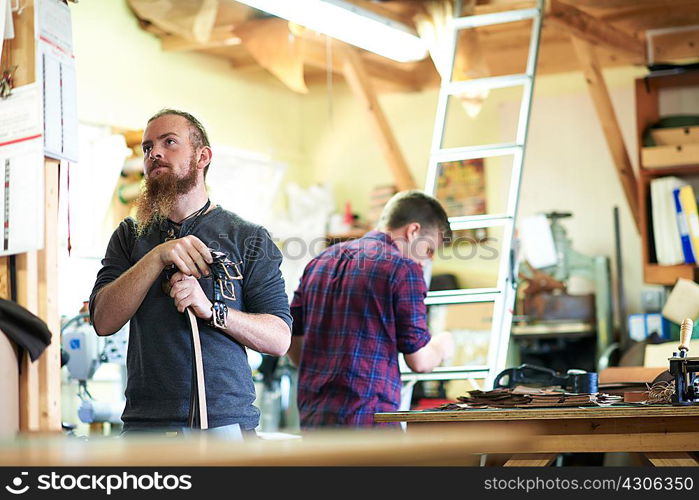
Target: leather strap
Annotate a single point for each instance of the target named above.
(200, 400)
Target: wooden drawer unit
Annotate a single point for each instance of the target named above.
(670, 155)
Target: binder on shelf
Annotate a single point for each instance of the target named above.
(666, 234)
(683, 228)
(688, 201)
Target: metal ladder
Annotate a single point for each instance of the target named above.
(503, 295)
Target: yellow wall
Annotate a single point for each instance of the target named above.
(124, 77)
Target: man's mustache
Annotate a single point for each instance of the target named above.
(158, 163)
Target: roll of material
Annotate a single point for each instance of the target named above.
(583, 383)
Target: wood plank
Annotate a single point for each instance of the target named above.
(271, 44)
(531, 460)
(669, 81)
(675, 46)
(657, 17)
(541, 414)
(676, 459)
(624, 441)
(29, 406)
(189, 19)
(667, 275)
(610, 126)
(22, 47)
(370, 447)
(28, 297)
(587, 27)
(358, 80)
(381, 74)
(647, 113)
(49, 364)
(221, 36)
(5, 292)
(27, 281)
(578, 430)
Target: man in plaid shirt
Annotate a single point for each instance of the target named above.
(358, 305)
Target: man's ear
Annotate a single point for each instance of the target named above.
(412, 230)
(205, 156)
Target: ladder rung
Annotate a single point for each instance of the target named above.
(448, 373)
(466, 296)
(470, 152)
(493, 82)
(478, 221)
(494, 18)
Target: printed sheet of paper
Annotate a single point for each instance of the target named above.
(538, 246)
(22, 196)
(22, 171)
(21, 115)
(56, 70)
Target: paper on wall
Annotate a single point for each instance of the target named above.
(538, 247)
(21, 116)
(54, 26)
(7, 27)
(22, 196)
(56, 70)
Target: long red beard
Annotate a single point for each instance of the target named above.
(159, 194)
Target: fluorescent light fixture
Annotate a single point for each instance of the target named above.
(351, 24)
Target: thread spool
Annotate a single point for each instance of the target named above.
(583, 383)
(685, 334)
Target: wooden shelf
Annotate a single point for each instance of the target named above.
(681, 163)
(678, 170)
(668, 275)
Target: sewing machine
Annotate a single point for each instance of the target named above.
(570, 263)
(684, 369)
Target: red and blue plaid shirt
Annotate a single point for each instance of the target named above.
(358, 304)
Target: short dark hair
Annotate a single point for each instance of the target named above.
(197, 133)
(415, 206)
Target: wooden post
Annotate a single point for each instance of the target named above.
(610, 126)
(37, 271)
(359, 82)
(27, 297)
(49, 364)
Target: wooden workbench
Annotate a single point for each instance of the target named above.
(446, 445)
(665, 434)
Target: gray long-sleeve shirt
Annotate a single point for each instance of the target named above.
(159, 358)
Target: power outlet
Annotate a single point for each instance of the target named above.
(652, 301)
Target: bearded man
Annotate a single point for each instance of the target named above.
(158, 266)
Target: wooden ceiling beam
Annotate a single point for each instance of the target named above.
(221, 36)
(615, 4)
(675, 45)
(384, 74)
(610, 126)
(587, 27)
(358, 80)
(655, 18)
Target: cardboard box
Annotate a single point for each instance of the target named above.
(673, 136)
(670, 156)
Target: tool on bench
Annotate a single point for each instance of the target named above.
(576, 381)
(684, 369)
